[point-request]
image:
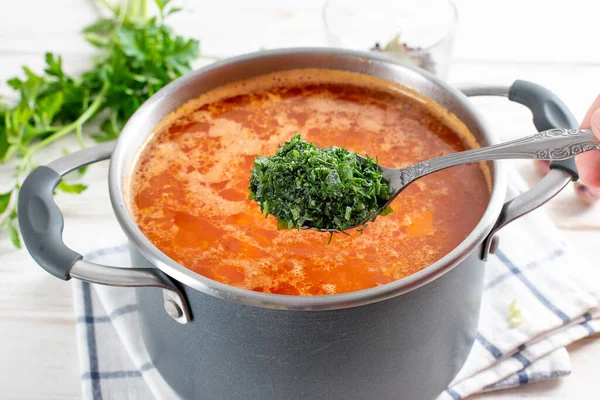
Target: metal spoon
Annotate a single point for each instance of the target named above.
(553, 144)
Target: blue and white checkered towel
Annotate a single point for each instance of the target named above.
(539, 297)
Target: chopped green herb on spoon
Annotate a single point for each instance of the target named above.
(305, 186)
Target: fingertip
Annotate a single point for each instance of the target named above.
(587, 120)
(588, 165)
(596, 123)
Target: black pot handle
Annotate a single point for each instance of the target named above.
(41, 223)
(549, 112)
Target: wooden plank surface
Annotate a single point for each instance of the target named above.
(552, 43)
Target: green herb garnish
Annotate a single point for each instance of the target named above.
(515, 314)
(137, 56)
(303, 185)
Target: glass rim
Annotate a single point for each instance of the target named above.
(414, 52)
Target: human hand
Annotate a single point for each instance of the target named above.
(588, 163)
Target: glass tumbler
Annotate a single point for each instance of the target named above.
(416, 32)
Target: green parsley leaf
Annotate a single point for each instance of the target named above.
(4, 201)
(101, 27)
(515, 314)
(3, 139)
(386, 211)
(75, 188)
(172, 11)
(129, 44)
(47, 108)
(162, 4)
(110, 131)
(54, 66)
(13, 230)
(96, 40)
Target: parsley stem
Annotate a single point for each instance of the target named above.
(89, 113)
(134, 9)
(79, 134)
(144, 8)
(122, 13)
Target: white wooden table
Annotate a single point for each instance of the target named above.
(552, 43)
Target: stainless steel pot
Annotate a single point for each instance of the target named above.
(403, 340)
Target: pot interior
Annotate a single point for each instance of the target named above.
(143, 123)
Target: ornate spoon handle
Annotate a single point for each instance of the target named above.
(553, 144)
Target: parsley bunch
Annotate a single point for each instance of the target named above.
(303, 185)
(137, 56)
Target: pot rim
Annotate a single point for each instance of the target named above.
(119, 162)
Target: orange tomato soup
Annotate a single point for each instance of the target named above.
(189, 187)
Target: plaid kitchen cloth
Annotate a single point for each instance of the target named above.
(539, 297)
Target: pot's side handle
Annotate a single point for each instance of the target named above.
(548, 112)
(555, 181)
(41, 223)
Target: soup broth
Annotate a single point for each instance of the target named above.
(189, 189)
